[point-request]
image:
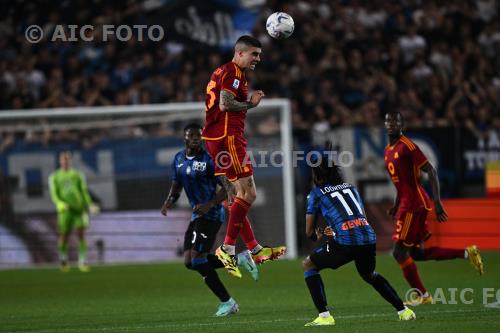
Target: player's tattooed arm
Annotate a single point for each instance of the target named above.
(229, 187)
(172, 197)
(434, 180)
(229, 104)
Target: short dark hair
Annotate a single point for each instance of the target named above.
(326, 172)
(192, 126)
(395, 114)
(248, 41)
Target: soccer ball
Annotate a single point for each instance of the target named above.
(280, 25)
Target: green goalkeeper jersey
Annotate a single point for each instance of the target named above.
(68, 190)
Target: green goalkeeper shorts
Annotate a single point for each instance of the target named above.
(67, 221)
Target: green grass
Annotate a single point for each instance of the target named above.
(168, 298)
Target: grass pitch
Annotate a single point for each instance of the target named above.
(168, 298)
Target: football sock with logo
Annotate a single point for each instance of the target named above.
(440, 253)
(247, 234)
(202, 266)
(237, 214)
(384, 289)
(411, 275)
(316, 289)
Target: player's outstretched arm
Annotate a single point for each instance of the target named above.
(172, 197)
(228, 103)
(434, 180)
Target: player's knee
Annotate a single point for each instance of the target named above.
(307, 264)
(249, 196)
(369, 277)
(399, 254)
(198, 255)
(417, 254)
(252, 196)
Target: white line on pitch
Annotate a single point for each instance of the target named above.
(225, 322)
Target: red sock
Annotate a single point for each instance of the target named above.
(237, 213)
(411, 275)
(247, 234)
(441, 253)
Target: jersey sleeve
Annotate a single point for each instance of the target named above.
(418, 158)
(229, 81)
(312, 203)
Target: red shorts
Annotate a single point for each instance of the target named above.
(411, 227)
(230, 157)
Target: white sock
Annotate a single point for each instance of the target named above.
(325, 314)
(401, 311)
(256, 249)
(230, 249)
(466, 254)
(426, 294)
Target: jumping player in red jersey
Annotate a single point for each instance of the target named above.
(404, 161)
(226, 106)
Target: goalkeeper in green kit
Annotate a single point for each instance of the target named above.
(68, 190)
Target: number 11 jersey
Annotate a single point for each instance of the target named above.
(343, 210)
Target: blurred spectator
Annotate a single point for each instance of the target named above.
(346, 63)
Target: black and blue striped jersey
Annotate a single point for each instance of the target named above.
(343, 210)
(196, 175)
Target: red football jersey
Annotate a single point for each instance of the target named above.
(219, 124)
(403, 161)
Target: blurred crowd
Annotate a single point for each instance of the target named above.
(347, 63)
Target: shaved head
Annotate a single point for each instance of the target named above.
(244, 42)
(247, 50)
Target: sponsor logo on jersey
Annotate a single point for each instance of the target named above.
(199, 166)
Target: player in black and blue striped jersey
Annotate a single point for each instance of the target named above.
(335, 201)
(350, 238)
(193, 171)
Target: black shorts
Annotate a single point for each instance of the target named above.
(333, 255)
(201, 234)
